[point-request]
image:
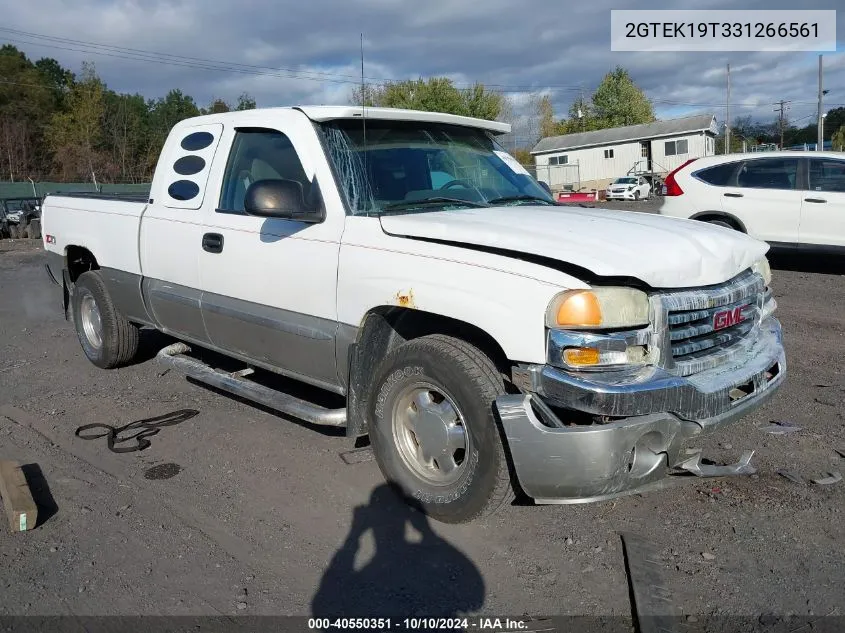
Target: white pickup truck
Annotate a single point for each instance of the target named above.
(486, 338)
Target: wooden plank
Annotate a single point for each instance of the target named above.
(653, 606)
(17, 499)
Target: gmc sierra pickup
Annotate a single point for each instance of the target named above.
(486, 338)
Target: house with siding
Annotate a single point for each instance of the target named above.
(591, 160)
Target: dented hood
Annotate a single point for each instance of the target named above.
(660, 251)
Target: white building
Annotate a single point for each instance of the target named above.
(591, 160)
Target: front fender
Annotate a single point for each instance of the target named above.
(509, 307)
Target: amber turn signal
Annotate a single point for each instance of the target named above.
(581, 356)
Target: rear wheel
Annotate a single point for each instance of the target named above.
(107, 338)
(434, 433)
(723, 223)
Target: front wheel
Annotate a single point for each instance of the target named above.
(434, 432)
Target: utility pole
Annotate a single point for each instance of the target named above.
(782, 106)
(820, 144)
(728, 115)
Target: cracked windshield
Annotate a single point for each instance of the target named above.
(387, 166)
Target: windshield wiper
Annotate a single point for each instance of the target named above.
(519, 198)
(414, 204)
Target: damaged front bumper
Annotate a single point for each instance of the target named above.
(556, 463)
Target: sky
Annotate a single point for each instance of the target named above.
(286, 53)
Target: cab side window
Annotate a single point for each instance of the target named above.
(258, 154)
(827, 175)
(768, 173)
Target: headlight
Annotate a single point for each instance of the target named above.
(598, 308)
(761, 267)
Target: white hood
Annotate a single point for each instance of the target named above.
(660, 251)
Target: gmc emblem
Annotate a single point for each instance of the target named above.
(727, 318)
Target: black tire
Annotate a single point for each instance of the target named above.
(636, 195)
(35, 229)
(467, 377)
(118, 338)
(13, 231)
(723, 223)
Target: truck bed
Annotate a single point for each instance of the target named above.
(107, 224)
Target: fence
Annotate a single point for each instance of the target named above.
(558, 177)
(41, 189)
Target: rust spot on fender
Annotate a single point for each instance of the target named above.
(405, 299)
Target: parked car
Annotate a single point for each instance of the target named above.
(22, 217)
(487, 339)
(628, 188)
(789, 199)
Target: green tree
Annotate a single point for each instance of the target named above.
(834, 120)
(368, 95)
(437, 94)
(27, 103)
(547, 124)
(482, 103)
(217, 106)
(75, 134)
(126, 134)
(838, 139)
(245, 102)
(618, 101)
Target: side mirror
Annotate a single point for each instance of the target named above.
(545, 186)
(280, 199)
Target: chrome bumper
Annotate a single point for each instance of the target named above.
(570, 464)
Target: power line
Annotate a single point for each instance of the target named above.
(169, 59)
(136, 54)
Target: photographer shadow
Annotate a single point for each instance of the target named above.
(427, 577)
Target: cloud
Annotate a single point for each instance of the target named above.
(308, 52)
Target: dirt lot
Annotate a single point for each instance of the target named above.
(233, 510)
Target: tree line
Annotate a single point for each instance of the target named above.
(58, 125)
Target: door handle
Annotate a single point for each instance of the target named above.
(212, 243)
(733, 195)
(814, 200)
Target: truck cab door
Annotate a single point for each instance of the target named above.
(172, 229)
(269, 284)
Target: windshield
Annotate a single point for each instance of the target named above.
(411, 166)
(625, 181)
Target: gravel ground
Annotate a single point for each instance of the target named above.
(233, 510)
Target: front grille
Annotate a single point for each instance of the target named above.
(706, 326)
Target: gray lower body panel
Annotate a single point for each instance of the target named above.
(125, 291)
(175, 308)
(302, 344)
